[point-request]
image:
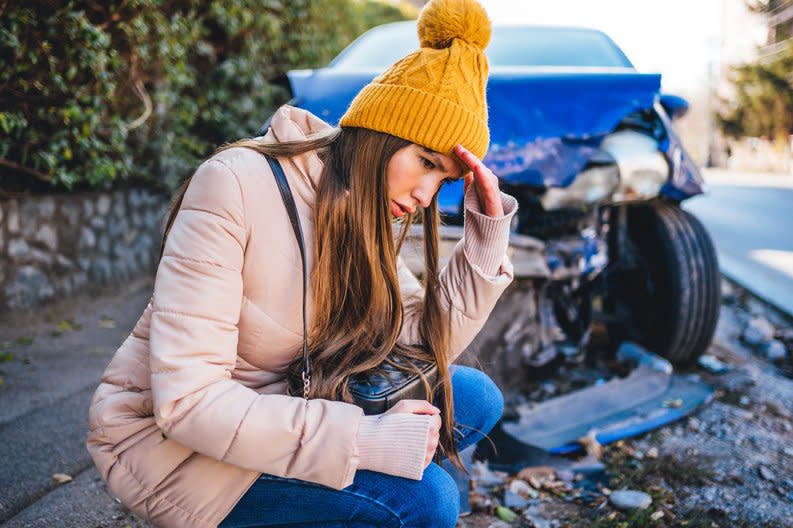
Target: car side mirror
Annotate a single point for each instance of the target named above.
(674, 105)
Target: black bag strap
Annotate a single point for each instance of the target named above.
(291, 209)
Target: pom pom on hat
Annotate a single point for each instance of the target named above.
(442, 21)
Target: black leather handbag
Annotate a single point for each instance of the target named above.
(375, 391)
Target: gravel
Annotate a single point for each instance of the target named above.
(728, 464)
(630, 499)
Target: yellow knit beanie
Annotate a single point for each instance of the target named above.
(435, 96)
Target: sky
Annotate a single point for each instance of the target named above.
(681, 39)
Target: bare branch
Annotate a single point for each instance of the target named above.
(140, 91)
(26, 170)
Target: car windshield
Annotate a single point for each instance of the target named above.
(509, 46)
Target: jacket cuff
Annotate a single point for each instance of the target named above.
(394, 444)
(487, 237)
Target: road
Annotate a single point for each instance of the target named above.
(750, 217)
(50, 363)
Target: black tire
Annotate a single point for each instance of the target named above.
(673, 297)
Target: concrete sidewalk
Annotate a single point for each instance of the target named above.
(726, 177)
(51, 365)
(748, 217)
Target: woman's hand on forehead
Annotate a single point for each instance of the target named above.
(484, 181)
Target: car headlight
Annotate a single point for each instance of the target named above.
(643, 169)
(590, 186)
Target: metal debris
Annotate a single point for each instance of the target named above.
(712, 364)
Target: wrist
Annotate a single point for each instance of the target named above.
(377, 436)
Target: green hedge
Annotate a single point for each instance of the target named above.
(96, 92)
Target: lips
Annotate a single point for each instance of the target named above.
(397, 210)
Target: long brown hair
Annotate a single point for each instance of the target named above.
(359, 309)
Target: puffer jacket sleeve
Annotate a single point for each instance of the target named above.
(476, 274)
(193, 339)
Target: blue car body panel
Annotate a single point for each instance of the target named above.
(545, 122)
(545, 126)
(686, 179)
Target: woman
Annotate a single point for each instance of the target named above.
(193, 423)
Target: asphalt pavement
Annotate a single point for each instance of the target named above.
(51, 364)
(750, 218)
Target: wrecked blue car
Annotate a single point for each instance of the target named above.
(587, 145)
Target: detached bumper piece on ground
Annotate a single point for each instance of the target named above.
(649, 397)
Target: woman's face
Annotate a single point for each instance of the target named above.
(414, 174)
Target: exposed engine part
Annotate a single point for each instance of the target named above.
(547, 225)
(593, 185)
(534, 333)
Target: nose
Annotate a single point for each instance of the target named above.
(424, 192)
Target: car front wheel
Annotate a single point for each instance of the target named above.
(665, 290)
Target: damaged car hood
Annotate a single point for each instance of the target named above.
(544, 125)
(553, 94)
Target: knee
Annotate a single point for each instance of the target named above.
(438, 503)
(495, 402)
(477, 394)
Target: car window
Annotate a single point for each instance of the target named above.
(509, 46)
(548, 46)
(378, 48)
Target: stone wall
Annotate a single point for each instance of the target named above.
(52, 245)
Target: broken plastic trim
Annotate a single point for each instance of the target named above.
(649, 397)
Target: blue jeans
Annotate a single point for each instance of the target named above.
(377, 499)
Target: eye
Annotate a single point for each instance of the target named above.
(427, 163)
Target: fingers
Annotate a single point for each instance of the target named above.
(435, 430)
(484, 181)
(414, 407)
(469, 179)
(467, 157)
(470, 161)
(433, 438)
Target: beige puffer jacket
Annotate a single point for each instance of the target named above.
(193, 406)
